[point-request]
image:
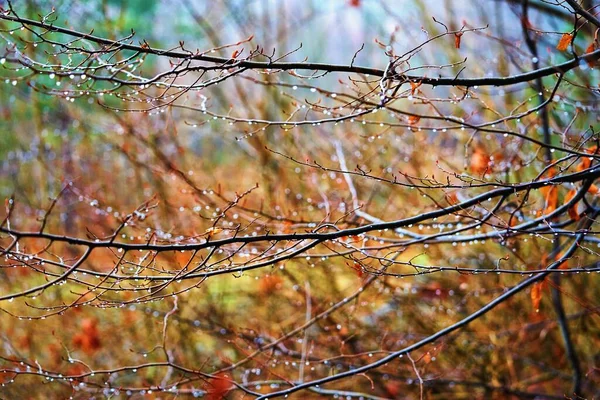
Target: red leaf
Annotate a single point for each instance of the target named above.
(358, 268)
(219, 386)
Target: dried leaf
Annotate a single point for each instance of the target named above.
(551, 198)
(590, 49)
(565, 41)
(573, 209)
(414, 86)
(586, 162)
(550, 193)
(413, 119)
(457, 37)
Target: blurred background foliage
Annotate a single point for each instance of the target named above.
(118, 160)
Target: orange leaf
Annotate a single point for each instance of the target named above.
(573, 209)
(536, 295)
(565, 41)
(564, 264)
(426, 358)
(413, 119)
(584, 164)
(593, 189)
(550, 194)
(590, 49)
(480, 161)
(212, 231)
(355, 3)
(457, 37)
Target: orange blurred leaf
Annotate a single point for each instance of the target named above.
(564, 42)
(88, 339)
(212, 231)
(426, 358)
(287, 226)
(393, 388)
(536, 295)
(413, 119)
(269, 284)
(219, 386)
(480, 161)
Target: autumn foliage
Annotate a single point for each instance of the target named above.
(299, 199)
